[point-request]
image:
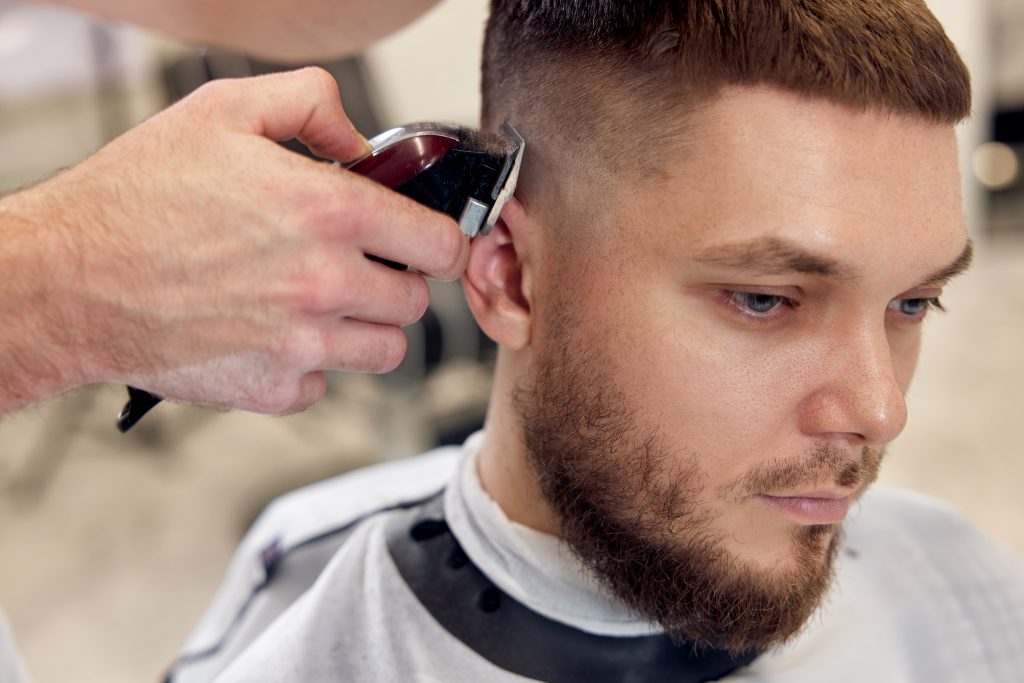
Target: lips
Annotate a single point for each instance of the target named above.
(811, 508)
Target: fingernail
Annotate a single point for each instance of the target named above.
(367, 147)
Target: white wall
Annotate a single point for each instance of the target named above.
(431, 70)
(968, 23)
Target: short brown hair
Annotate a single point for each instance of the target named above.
(586, 75)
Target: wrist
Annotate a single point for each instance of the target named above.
(41, 350)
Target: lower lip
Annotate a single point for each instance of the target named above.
(811, 510)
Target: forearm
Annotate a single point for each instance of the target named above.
(41, 354)
(283, 30)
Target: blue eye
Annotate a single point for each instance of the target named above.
(916, 308)
(756, 304)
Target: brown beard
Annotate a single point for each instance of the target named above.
(630, 510)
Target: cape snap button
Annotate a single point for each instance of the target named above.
(427, 529)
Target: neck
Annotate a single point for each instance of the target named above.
(504, 470)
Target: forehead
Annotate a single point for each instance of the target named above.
(759, 162)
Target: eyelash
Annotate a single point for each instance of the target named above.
(926, 306)
(734, 299)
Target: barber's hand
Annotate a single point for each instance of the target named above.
(212, 266)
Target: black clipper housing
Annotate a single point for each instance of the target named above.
(457, 171)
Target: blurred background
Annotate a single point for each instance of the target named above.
(111, 546)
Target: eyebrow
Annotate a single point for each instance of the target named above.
(777, 256)
(772, 256)
(958, 266)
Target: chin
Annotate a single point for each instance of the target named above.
(817, 543)
(804, 547)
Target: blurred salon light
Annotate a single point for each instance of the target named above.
(996, 165)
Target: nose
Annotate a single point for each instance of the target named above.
(856, 394)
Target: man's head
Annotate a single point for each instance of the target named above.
(732, 218)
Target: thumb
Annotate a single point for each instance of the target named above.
(303, 104)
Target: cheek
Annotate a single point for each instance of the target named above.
(719, 397)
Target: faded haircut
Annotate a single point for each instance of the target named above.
(601, 87)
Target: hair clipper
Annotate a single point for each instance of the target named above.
(464, 173)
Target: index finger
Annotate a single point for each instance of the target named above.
(302, 104)
(396, 228)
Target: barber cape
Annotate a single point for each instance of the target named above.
(408, 571)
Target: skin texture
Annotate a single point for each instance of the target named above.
(691, 407)
(195, 258)
(274, 29)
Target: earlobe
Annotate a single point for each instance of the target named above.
(495, 280)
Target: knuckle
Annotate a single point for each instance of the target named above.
(213, 92)
(324, 283)
(314, 389)
(323, 291)
(317, 298)
(336, 210)
(274, 395)
(297, 393)
(299, 349)
(349, 225)
(278, 401)
(287, 351)
(317, 210)
(321, 79)
(350, 290)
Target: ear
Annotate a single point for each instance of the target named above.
(497, 280)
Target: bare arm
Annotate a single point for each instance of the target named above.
(36, 360)
(285, 30)
(196, 259)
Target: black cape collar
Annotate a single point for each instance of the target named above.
(517, 639)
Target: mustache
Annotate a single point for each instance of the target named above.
(827, 464)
